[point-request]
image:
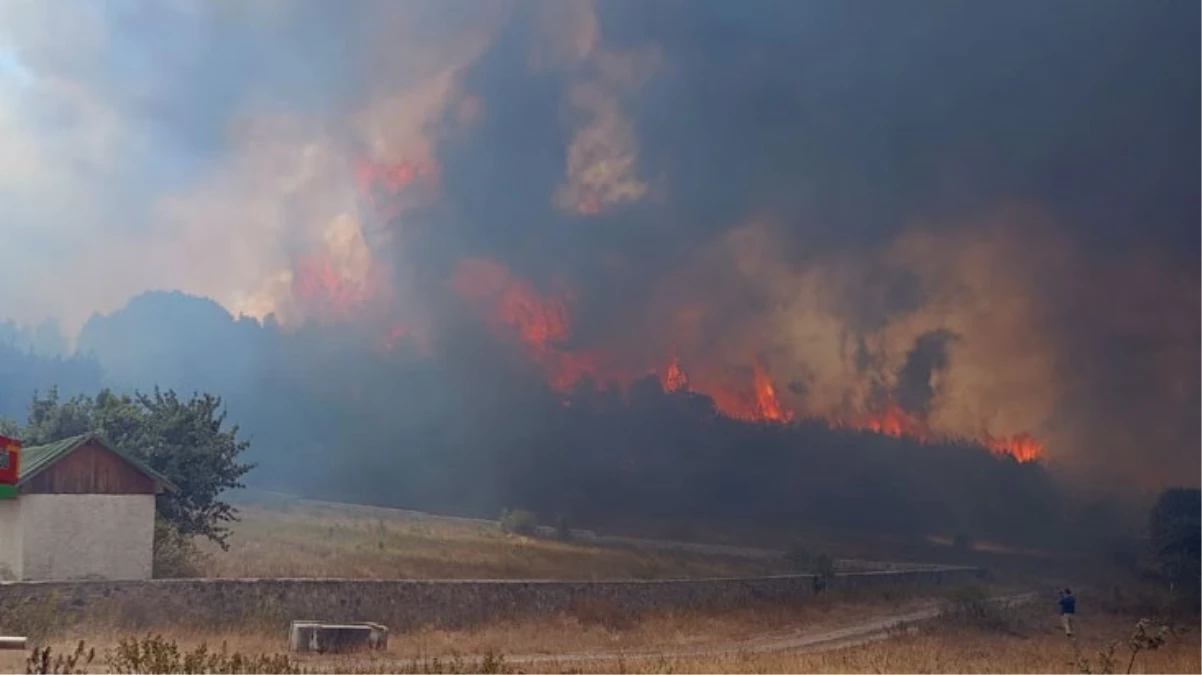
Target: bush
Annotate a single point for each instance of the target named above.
(37, 620)
(40, 662)
(519, 521)
(1175, 538)
(154, 654)
(1148, 636)
(175, 554)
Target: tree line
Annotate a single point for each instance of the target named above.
(605, 459)
(334, 416)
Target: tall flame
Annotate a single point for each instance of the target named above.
(327, 292)
(768, 406)
(893, 420)
(1022, 446)
(514, 309)
(673, 378)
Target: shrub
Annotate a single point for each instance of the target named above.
(154, 654)
(519, 521)
(1147, 636)
(35, 620)
(175, 554)
(40, 661)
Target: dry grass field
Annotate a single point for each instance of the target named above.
(1029, 640)
(949, 651)
(296, 538)
(595, 629)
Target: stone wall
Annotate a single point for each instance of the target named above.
(401, 605)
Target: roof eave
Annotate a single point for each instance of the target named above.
(161, 484)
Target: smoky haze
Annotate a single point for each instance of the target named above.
(474, 224)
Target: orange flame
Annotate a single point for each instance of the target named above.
(673, 378)
(891, 421)
(1023, 447)
(757, 402)
(894, 421)
(327, 293)
(514, 309)
(384, 184)
(767, 404)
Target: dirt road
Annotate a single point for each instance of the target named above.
(865, 631)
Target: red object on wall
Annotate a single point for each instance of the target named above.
(10, 460)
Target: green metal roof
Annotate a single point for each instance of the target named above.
(37, 458)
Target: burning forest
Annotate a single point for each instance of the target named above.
(594, 251)
(566, 249)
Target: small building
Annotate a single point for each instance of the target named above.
(82, 510)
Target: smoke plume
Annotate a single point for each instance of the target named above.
(947, 221)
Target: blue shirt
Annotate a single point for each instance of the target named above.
(1068, 604)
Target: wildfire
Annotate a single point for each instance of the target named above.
(673, 378)
(767, 404)
(384, 185)
(327, 292)
(391, 178)
(512, 307)
(340, 279)
(1022, 447)
(894, 421)
(510, 303)
(540, 323)
(757, 401)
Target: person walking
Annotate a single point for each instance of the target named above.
(1068, 610)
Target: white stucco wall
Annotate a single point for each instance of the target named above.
(11, 540)
(87, 536)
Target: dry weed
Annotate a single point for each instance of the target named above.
(936, 651)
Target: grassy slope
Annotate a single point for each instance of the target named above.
(294, 538)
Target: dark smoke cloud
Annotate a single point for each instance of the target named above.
(915, 390)
(844, 125)
(826, 187)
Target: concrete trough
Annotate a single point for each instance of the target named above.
(12, 642)
(336, 638)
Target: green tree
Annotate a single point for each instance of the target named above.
(188, 441)
(1175, 535)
